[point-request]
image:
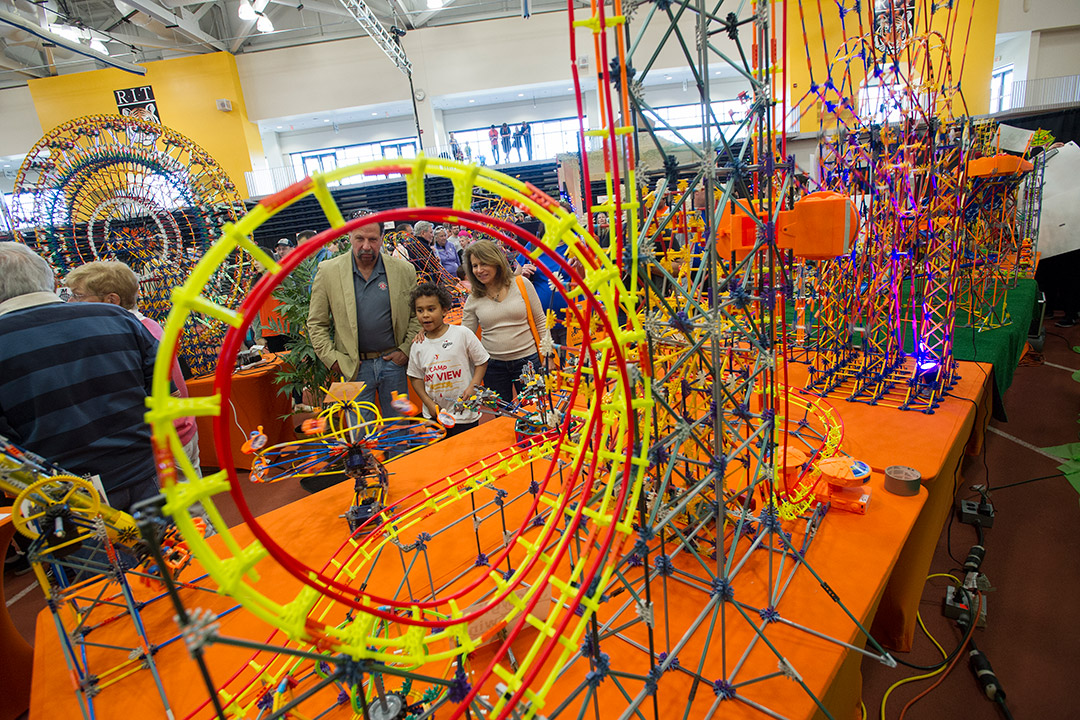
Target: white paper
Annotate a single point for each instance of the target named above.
(1059, 224)
(1014, 139)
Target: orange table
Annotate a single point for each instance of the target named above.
(255, 402)
(932, 444)
(16, 655)
(854, 554)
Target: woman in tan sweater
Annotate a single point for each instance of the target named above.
(499, 308)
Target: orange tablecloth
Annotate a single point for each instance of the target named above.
(255, 401)
(16, 655)
(853, 554)
(932, 444)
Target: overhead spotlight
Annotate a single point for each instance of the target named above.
(263, 24)
(396, 31)
(246, 12)
(435, 4)
(521, 94)
(472, 101)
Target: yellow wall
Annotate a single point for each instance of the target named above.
(975, 52)
(185, 90)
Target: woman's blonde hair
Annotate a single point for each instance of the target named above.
(102, 277)
(487, 253)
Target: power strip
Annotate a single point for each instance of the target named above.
(971, 514)
(955, 608)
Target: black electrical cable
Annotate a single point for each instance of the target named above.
(952, 516)
(1025, 482)
(988, 679)
(963, 641)
(1059, 335)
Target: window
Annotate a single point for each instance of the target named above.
(549, 138)
(881, 102)
(312, 161)
(1001, 84)
(727, 116)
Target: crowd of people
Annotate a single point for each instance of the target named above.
(75, 376)
(382, 332)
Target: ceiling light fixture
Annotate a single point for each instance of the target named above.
(264, 25)
(472, 101)
(435, 4)
(246, 12)
(374, 113)
(521, 94)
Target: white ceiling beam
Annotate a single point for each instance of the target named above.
(246, 26)
(24, 24)
(46, 51)
(387, 43)
(198, 14)
(420, 19)
(9, 63)
(172, 20)
(154, 43)
(404, 13)
(315, 5)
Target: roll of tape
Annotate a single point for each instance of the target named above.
(902, 480)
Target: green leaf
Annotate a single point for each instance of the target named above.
(1065, 452)
(1074, 480)
(1076, 376)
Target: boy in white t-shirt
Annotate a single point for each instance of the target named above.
(448, 363)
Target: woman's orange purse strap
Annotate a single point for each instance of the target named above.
(528, 311)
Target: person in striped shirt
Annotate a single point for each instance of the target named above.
(74, 378)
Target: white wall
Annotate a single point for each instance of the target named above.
(1059, 53)
(446, 61)
(374, 131)
(1019, 15)
(540, 109)
(19, 124)
(450, 60)
(316, 78)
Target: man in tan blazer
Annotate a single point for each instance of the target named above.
(363, 296)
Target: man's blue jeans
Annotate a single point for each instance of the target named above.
(381, 379)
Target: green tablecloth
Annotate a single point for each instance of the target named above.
(1001, 346)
